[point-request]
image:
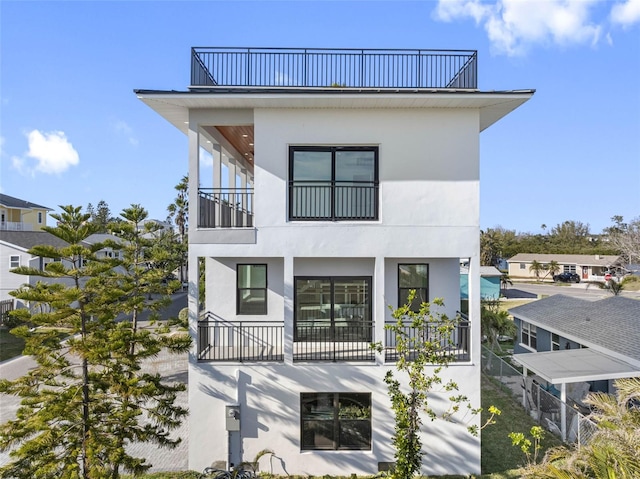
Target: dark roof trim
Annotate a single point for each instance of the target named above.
(328, 91)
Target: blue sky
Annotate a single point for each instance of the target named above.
(73, 132)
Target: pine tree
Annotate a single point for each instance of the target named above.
(88, 397)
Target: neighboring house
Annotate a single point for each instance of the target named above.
(569, 342)
(14, 247)
(489, 282)
(324, 206)
(588, 266)
(21, 215)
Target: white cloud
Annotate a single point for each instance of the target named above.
(513, 26)
(122, 128)
(49, 153)
(626, 13)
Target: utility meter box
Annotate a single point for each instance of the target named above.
(232, 416)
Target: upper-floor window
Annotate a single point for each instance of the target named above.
(251, 292)
(413, 277)
(39, 217)
(333, 183)
(529, 335)
(555, 342)
(523, 266)
(334, 308)
(14, 261)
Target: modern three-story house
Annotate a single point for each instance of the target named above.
(324, 185)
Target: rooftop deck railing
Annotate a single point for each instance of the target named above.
(341, 68)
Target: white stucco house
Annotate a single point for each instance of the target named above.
(323, 186)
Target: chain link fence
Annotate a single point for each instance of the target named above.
(545, 408)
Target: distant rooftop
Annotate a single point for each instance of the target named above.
(11, 202)
(213, 67)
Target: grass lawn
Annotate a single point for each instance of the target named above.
(498, 455)
(10, 346)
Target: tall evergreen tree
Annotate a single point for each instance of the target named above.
(88, 397)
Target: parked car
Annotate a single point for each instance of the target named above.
(567, 277)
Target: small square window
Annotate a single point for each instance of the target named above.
(523, 265)
(251, 291)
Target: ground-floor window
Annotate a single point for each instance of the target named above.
(529, 335)
(569, 268)
(333, 421)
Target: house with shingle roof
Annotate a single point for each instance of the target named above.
(14, 252)
(590, 267)
(571, 341)
(21, 215)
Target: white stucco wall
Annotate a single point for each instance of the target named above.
(269, 395)
(429, 212)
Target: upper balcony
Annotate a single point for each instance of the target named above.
(333, 68)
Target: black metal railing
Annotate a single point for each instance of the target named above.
(243, 341)
(332, 341)
(225, 208)
(453, 345)
(333, 200)
(342, 68)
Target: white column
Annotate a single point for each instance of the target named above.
(524, 389)
(379, 307)
(194, 171)
(288, 309)
(474, 309)
(563, 411)
(216, 152)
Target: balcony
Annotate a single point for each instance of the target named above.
(333, 201)
(225, 208)
(15, 226)
(454, 347)
(332, 68)
(259, 341)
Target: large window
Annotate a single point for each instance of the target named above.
(413, 277)
(333, 183)
(529, 335)
(335, 421)
(333, 309)
(252, 289)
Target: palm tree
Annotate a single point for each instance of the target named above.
(536, 268)
(552, 268)
(505, 280)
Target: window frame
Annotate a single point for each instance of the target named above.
(531, 332)
(239, 290)
(414, 307)
(337, 422)
(332, 280)
(333, 150)
(12, 261)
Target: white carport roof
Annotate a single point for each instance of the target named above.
(576, 365)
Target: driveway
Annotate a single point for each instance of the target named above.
(172, 368)
(587, 291)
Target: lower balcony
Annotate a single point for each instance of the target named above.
(259, 341)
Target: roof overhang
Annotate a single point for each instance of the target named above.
(174, 106)
(576, 365)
